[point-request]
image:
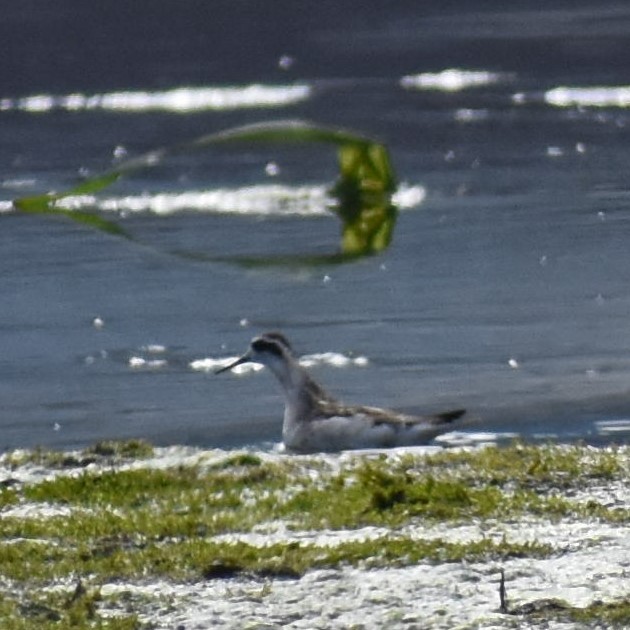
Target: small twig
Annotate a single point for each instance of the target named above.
(502, 597)
(79, 592)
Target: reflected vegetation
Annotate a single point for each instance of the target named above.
(362, 196)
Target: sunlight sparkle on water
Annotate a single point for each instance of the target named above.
(452, 80)
(182, 99)
(140, 362)
(332, 359)
(589, 96)
(261, 200)
(252, 200)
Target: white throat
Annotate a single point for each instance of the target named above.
(291, 377)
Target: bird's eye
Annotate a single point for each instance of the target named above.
(262, 345)
(259, 345)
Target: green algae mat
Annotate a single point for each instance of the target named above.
(74, 524)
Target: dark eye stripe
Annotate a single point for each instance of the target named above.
(278, 338)
(262, 345)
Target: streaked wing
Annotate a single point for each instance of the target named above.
(377, 416)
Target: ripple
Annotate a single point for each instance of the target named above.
(333, 359)
(613, 427)
(210, 365)
(453, 80)
(179, 100)
(261, 200)
(151, 364)
(588, 96)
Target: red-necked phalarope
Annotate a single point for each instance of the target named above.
(314, 421)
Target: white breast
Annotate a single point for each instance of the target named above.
(338, 433)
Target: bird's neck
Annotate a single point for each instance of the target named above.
(301, 393)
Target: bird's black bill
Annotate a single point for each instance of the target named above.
(243, 359)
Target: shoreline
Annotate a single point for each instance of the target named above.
(408, 538)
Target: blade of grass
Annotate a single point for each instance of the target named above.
(363, 192)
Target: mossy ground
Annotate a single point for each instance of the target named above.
(101, 520)
(598, 614)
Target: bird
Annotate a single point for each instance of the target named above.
(315, 421)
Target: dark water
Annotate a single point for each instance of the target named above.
(506, 289)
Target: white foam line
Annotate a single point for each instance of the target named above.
(597, 96)
(152, 364)
(261, 200)
(608, 427)
(251, 200)
(182, 99)
(210, 365)
(453, 80)
(333, 359)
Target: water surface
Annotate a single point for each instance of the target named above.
(505, 289)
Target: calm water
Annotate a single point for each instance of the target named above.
(507, 287)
